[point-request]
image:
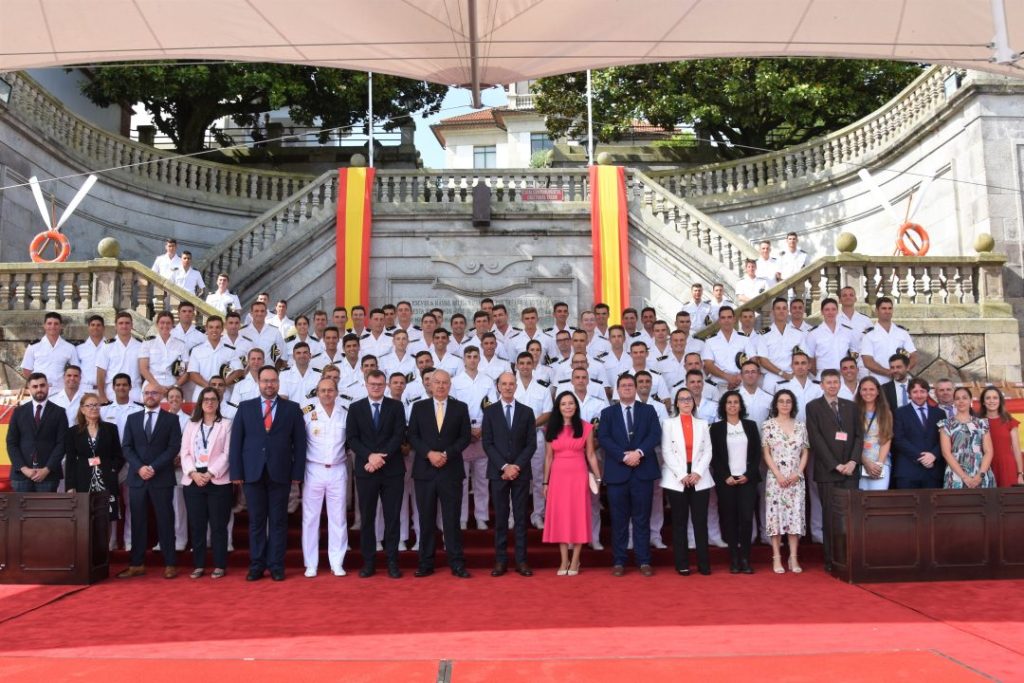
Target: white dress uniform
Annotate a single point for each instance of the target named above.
(297, 386)
(751, 287)
(700, 314)
(68, 403)
(51, 360)
(477, 393)
(757, 404)
(458, 347)
(87, 355)
(881, 344)
(117, 357)
(596, 368)
(538, 397)
(508, 339)
(191, 338)
(639, 335)
(285, 325)
(240, 346)
(727, 354)
(590, 411)
(405, 365)
(166, 267)
(552, 348)
(829, 347)
(269, 339)
(495, 366)
(351, 389)
(316, 347)
(613, 367)
(326, 478)
(716, 306)
(672, 371)
(223, 360)
(348, 371)
(117, 415)
(659, 388)
(858, 322)
(167, 360)
(376, 346)
(791, 262)
(766, 269)
(598, 345)
(658, 501)
(808, 391)
(594, 387)
(517, 344)
(450, 363)
(190, 280)
(225, 303)
(778, 348)
(846, 392)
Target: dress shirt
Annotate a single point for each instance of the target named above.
(266, 339)
(725, 353)
(209, 362)
(880, 344)
(191, 337)
(165, 266)
(162, 356)
(537, 397)
(117, 357)
(51, 359)
(325, 434)
(190, 280)
(225, 302)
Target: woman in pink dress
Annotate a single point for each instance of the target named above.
(567, 454)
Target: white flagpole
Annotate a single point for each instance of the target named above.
(371, 119)
(590, 123)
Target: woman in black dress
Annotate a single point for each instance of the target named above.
(93, 455)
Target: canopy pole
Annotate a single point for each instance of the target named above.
(370, 117)
(590, 122)
(1003, 54)
(474, 54)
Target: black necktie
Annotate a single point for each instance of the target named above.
(629, 420)
(508, 415)
(376, 416)
(149, 424)
(924, 419)
(835, 409)
(39, 414)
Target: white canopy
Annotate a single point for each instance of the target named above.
(481, 42)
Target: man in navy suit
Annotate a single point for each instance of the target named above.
(509, 439)
(439, 430)
(267, 455)
(628, 433)
(917, 457)
(151, 442)
(35, 440)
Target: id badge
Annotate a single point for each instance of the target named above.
(841, 436)
(94, 462)
(203, 460)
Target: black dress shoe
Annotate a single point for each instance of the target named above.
(367, 572)
(460, 572)
(828, 568)
(523, 569)
(422, 571)
(683, 572)
(394, 572)
(704, 571)
(254, 575)
(499, 569)
(745, 567)
(277, 574)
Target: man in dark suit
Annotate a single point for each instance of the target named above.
(836, 438)
(35, 440)
(267, 455)
(916, 455)
(152, 440)
(897, 390)
(439, 430)
(629, 433)
(376, 430)
(509, 439)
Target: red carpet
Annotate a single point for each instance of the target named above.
(511, 618)
(16, 600)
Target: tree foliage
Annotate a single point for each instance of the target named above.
(745, 105)
(185, 99)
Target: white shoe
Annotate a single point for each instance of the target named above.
(656, 543)
(338, 572)
(596, 545)
(463, 525)
(180, 548)
(537, 522)
(310, 572)
(156, 548)
(231, 548)
(354, 527)
(719, 543)
(415, 546)
(482, 526)
(380, 546)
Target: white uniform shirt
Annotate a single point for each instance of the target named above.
(829, 347)
(641, 336)
(658, 406)
(208, 362)
(804, 393)
(475, 392)
(68, 403)
(406, 365)
(163, 356)
(880, 345)
(757, 405)
(191, 337)
(659, 388)
(297, 386)
(858, 322)
(766, 269)
(316, 347)
(225, 302)
(325, 434)
(285, 325)
(613, 367)
(351, 389)
(716, 306)
(778, 347)
(165, 267)
(459, 347)
(750, 287)
(791, 262)
(190, 280)
(592, 405)
(552, 347)
(536, 396)
(726, 354)
(247, 388)
(380, 346)
(707, 409)
(87, 355)
(51, 359)
(117, 414)
(598, 345)
(117, 357)
(846, 392)
(495, 366)
(451, 363)
(700, 315)
(267, 339)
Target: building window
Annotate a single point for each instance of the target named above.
(540, 142)
(485, 156)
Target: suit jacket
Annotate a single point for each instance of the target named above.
(889, 389)
(505, 446)
(673, 453)
(158, 451)
(910, 438)
(720, 452)
(281, 451)
(219, 440)
(45, 445)
(615, 440)
(827, 451)
(78, 472)
(363, 439)
(453, 438)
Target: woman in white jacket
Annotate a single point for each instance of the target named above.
(686, 449)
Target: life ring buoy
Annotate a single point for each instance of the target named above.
(906, 242)
(63, 247)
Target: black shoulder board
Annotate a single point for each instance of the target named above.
(563, 381)
(679, 383)
(711, 382)
(846, 326)
(417, 327)
(741, 333)
(75, 342)
(229, 346)
(388, 334)
(246, 338)
(517, 329)
(316, 355)
(543, 383)
(308, 408)
(634, 334)
(868, 329)
(815, 327)
(900, 326)
(601, 355)
(109, 341)
(816, 381)
(291, 337)
(139, 403)
(781, 382)
(656, 372)
(233, 405)
(659, 358)
(345, 396)
(200, 328)
(549, 329)
(150, 337)
(766, 330)
(596, 381)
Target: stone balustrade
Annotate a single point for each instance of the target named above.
(844, 149)
(456, 187)
(102, 150)
(99, 284)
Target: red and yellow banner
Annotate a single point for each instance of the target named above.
(355, 221)
(609, 222)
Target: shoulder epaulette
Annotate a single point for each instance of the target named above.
(816, 381)
(742, 333)
(563, 381)
(543, 383)
(76, 342)
(549, 329)
(846, 326)
(108, 403)
(291, 337)
(634, 334)
(417, 327)
(868, 329)
(711, 382)
(596, 381)
(660, 358)
(308, 408)
(150, 337)
(245, 326)
(517, 329)
(679, 383)
(109, 341)
(900, 326)
(233, 405)
(316, 355)
(248, 339)
(766, 330)
(653, 371)
(139, 403)
(345, 396)
(781, 382)
(815, 327)
(229, 346)
(388, 334)
(200, 328)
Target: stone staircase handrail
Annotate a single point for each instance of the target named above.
(915, 105)
(101, 149)
(427, 186)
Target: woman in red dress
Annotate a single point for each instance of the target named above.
(568, 452)
(1006, 457)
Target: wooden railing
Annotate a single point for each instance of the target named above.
(97, 284)
(844, 149)
(101, 150)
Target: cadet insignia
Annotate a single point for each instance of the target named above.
(311, 393)
(653, 372)
(661, 358)
(596, 381)
(484, 402)
(109, 341)
(680, 383)
(634, 334)
(225, 370)
(544, 383)
(345, 396)
(410, 400)
(233, 405)
(741, 358)
(816, 381)
(201, 329)
(711, 382)
(707, 320)
(177, 368)
(564, 381)
(409, 376)
(150, 337)
(766, 330)
(601, 355)
(229, 346)
(275, 353)
(313, 338)
(309, 408)
(246, 338)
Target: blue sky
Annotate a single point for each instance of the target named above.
(456, 102)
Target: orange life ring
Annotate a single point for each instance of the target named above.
(907, 245)
(42, 239)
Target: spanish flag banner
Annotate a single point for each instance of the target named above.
(354, 225)
(609, 220)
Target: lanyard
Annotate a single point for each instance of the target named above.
(205, 436)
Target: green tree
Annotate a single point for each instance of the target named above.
(745, 105)
(185, 99)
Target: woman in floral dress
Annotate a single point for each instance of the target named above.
(966, 446)
(784, 441)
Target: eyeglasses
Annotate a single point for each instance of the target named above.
(151, 393)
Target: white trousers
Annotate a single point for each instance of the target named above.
(410, 513)
(537, 465)
(330, 484)
(180, 518)
(815, 503)
(476, 479)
